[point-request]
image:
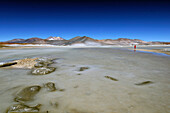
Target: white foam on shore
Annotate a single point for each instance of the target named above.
(21, 45)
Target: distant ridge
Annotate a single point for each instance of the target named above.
(34, 40)
(123, 41)
(83, 41)
(15, 40)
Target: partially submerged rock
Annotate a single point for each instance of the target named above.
(45, 60)
(111, 78)
(61, 89)
(6, 64)
(43, 70)
(27, 93)
(21, 108)
(39, 66)
(144, 83)
(50, 86)
(83, 68)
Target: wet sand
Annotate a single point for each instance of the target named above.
(116, 81)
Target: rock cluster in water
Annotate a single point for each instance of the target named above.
(27, 94)
(38, 66)
(42, 67)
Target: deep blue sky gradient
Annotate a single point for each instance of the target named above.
(147, 20)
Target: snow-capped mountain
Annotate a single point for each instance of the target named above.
(54, 38)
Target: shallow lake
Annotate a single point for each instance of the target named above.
(116, 81)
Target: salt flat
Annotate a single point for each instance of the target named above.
(90, 91)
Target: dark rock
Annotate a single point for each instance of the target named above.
(27, 93)
(6, 64)
(61, 89)
(83, 68)
(111, 78)
(51, 86)
(43, 70)
(21, 108)
(144, 83)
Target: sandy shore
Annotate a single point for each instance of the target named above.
(116, 81)
(155, 50)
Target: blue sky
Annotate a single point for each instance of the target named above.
(146, 20)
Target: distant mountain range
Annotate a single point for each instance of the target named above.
(82, 41)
